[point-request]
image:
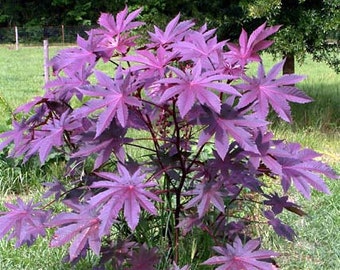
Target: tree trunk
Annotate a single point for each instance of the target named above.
(289, 66)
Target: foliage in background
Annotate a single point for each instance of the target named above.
(309, 26)
(182, 90)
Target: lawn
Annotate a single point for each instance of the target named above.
(317, 125)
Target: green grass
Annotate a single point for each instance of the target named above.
(21, 78)
(316, 125)
(318, 242)
(21, 73)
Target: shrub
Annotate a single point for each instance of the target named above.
(168, 148)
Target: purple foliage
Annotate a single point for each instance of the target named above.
(81, 227)
(279, 227)
(247, 49)
(204, 195)
(194, 84)
(176, 267)
(264, 89)
(239, 256)
(174, 32)
(110, 141)
(55, 188)
(25, 222)
(126, 190)
(199, 123)
(144, 258)
(115, 99)
(278, 203)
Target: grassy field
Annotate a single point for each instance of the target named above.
(317, 125)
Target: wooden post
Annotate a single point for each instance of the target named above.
(46, 59)
(62, 34)
(16, 38)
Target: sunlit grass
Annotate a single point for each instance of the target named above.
(317, 245)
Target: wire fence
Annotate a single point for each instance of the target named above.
(34, 35)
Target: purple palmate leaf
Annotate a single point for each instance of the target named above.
(56, 188)
(153, 65)
(265, 89)
(117, 253)
(51, 135)
(123, 190)
(196, 47)
(81, 227)
(204, 195)
(108, 142)
(115, 97)
(123, 21)
(188, 223)
(144, 258)
(65, 87)
(174, 31)
(114, 32)
(195, 84)
(229, 123)
(18, 135)
(279, 227)
(176, 267)
(78, 57)
(264, 143)
(239, 256)
(278, 203)
(247, 50)
(299, 167)
(25, 220)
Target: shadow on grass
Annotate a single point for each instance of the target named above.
(321, 115)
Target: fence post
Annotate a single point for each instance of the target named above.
(46, 59)
(62, 34)
(16, 38)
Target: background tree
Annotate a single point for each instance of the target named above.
(308, 26)
(55, 12)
